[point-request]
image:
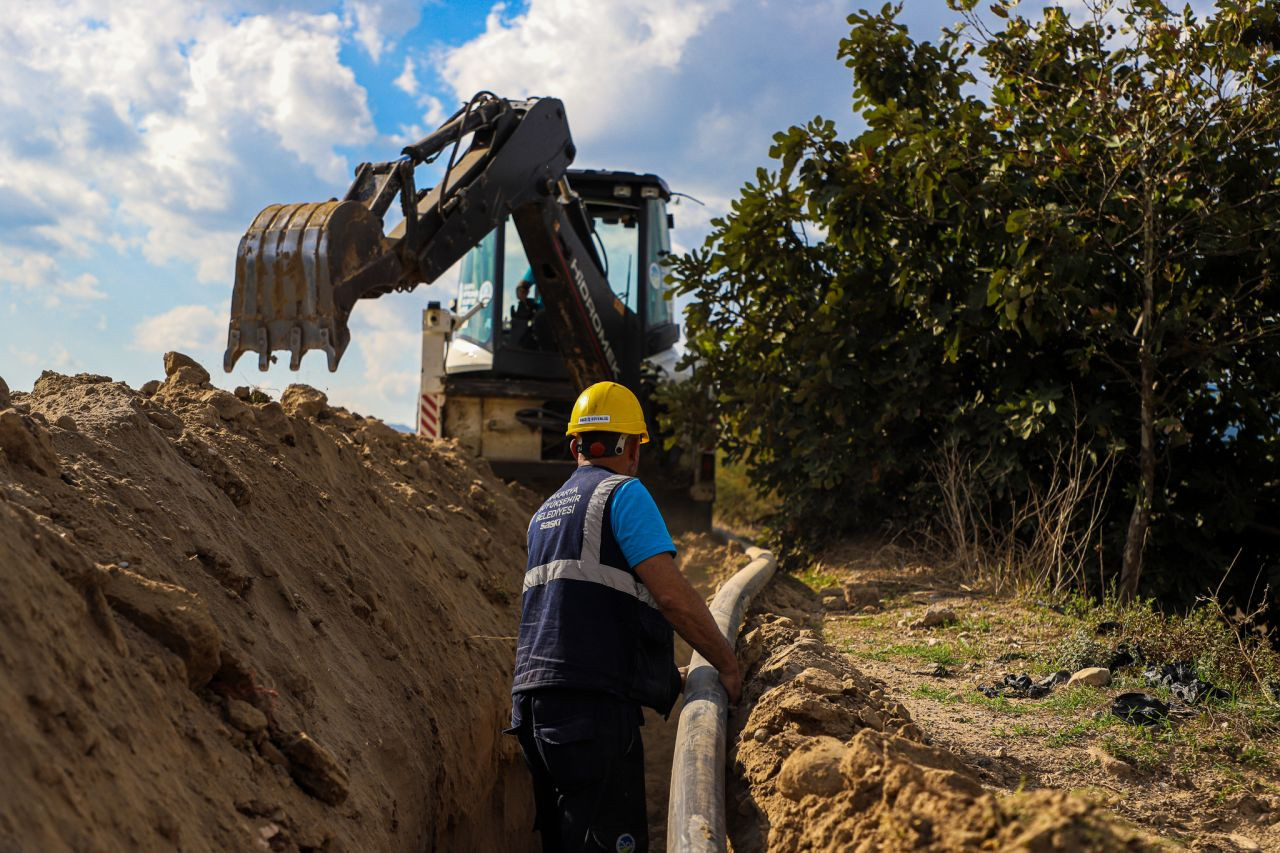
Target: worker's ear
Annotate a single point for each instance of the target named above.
(573, 447)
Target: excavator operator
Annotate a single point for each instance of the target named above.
(602, 595)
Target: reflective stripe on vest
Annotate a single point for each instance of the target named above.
(589, 568)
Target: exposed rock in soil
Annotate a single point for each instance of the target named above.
(935, 617)
(24, 440)
(303, 401)
(175, 617)
(860, 595)
(314, 768)
(1092, 676)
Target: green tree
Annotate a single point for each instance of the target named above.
(1082, 239)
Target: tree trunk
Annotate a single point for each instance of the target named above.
(1136, 538)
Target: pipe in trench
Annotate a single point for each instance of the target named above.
(695, 815)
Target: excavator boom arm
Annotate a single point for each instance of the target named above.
(301, 268)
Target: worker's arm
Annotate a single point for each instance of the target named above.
(688, 614)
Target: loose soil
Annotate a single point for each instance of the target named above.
(231, 623)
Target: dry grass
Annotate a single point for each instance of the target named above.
(1048, 542)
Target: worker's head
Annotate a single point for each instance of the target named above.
(613, 450)
(607, 427)
(522, 290)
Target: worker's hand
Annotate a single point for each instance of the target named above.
(684, 677)
(732, 681)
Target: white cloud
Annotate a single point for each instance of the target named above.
(165, 127)
(189, 328)
(692, 91)
(36, 275)
(380, 23)
(388, 334)
(407, 82)
(25, 357)
(603, 59)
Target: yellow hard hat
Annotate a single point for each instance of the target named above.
(608, 407)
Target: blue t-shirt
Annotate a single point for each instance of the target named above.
(637, 524)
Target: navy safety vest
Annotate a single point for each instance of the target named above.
(587, 620)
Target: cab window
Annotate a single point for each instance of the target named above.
(475, 282)
(616, 226)
(515, 271)
(657, 304)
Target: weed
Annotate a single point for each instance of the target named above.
(1073, 699)
(947, 654)
(1080, 650)
(936, 694)
(738, 502)
(816, 579)
(1136, 749)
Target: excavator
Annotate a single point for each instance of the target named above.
(501, 366)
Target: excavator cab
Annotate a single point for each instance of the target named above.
(509, 338)
(507, 393)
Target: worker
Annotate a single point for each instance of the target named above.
(526, 306)
(601, 596)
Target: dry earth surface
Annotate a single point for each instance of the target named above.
(860, 731)
(233, 623)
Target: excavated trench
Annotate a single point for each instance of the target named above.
(229, 623)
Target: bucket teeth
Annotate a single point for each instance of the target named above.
(289, 268)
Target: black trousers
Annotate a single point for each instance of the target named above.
(587, 759)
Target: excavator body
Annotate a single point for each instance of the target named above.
(504, 391)
(560, 284)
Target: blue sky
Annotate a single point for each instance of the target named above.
(138, 140)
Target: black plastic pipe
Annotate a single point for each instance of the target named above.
(695, 814)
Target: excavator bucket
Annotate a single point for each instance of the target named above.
(299, 270)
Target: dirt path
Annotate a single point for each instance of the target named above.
(1194, 783)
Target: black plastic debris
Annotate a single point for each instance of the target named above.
(1182, 682)
(941, 671)
(1141, 709)
(1126, 655)
(1022, 687)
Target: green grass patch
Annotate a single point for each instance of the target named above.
(1081, 730)
(1021, 731)
(972, 625)
(947, 654)
(1073, 699)
(936, 694)
(1138, 749)
(816, 579)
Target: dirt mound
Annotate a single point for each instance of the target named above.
(229, 622)
(822, 761)
(707, 561)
